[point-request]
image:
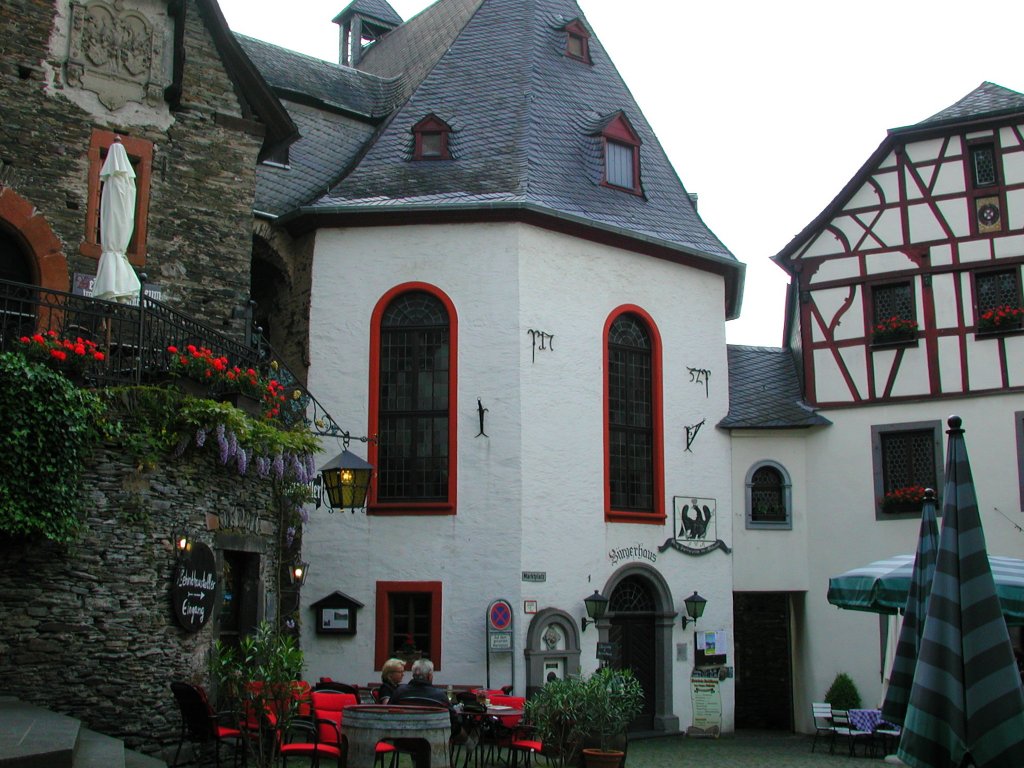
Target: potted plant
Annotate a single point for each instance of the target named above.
(555, 714)
(843, 693)
(612, 699)
(197, 369)
(72, 358)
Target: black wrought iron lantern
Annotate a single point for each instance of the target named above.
(695, 605)
(346, 479)
(596, 605)
(297, 572)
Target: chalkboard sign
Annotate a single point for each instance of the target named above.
(194, 587)
(605, 651)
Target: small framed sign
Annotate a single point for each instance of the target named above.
(529, 606)
(336, 614)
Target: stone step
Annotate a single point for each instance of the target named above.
(33, 737)
(94, 750)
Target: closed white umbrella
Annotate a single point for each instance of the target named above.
(115, 277)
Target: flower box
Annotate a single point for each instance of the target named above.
(901, 500)
(247, 404)
(1001, 318)
(894, 330)
(71, 358)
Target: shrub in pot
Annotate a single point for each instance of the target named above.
(843, 693)
(556, 715)
(613, 698)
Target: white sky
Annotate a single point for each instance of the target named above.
(766, 109)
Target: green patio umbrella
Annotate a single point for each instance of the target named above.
(901, 677)
(966, 702)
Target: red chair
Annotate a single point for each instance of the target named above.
(200, 724)
(320, 736)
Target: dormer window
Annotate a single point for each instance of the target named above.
(431, 139)
(621, 155)
(577, 41)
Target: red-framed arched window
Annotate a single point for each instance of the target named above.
(412, 402)
(633, 419)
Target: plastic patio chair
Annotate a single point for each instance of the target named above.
(200, 724)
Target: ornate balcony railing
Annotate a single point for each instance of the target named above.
(134, 339)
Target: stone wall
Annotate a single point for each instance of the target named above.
(199, 241)
(89, 631)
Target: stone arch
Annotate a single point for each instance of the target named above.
(552, 643)
(31, 229)
(663, 618)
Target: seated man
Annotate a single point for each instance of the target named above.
(417, 690)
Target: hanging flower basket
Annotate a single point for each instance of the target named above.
(906, 499)
(69, 357)
(894, 329)
(1001, 318)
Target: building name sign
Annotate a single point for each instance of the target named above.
(535, 576)
(639, 552)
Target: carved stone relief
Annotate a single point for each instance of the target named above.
(117, 53)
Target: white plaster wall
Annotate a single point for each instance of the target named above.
(531, 494)
(843, 532)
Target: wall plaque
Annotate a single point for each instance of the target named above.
(195, 587)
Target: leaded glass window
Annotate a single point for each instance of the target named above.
(997, 289)
(630, 415)
(413, 411)
(895, 300)
(631, 595)
(983, 165)
(767, 497)
(908, 459)
(409, 620)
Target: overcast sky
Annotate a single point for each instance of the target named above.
(765, 109)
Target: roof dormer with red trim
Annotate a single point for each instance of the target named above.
(430, 139)
(621, 154)
(577, 41)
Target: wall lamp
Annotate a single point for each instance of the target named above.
(297, 572)
(181, 541)
(596, 605)
(695, 605)
(345, 480)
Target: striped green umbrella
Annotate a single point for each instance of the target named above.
(901, 677)
(884, 585)
(966, 702)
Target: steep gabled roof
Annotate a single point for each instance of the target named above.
(764, 391)
(988, 102)
(523, 140)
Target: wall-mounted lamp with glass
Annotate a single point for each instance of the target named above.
(596, 605)
(297, 572)
(346, 479)
(695, 605)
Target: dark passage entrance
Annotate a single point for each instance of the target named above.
(764, 683)
(632, 636)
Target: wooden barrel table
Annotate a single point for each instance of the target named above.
(366, 724)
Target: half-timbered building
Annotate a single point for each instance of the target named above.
(904, 307)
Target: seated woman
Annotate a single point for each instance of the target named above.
(391, 675)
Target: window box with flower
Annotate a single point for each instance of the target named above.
(894, 330)
(1001, 319)
(248, 391)
(906, 499)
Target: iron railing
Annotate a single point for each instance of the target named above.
(134, 339)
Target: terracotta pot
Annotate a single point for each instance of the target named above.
(596, 758)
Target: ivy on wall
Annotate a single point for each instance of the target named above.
(53, 424)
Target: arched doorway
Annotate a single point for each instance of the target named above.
(639, 626)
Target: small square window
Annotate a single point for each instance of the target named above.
(768, 497)
(983, 165)
(998, 300)
(430, 145)
(577, 41)
(907, 459)
(575, 46)
(408, 621)
(619, 164)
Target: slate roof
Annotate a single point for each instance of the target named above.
(764, 391)
(986, 102)
(304, 78)
(523, 140)
(374, 9)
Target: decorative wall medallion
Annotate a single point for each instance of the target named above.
(695, 526)
(988, 213)
(117, 54)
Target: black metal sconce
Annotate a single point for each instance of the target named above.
(695, 605)
(345, 480)
(297, 572)
(596, 605)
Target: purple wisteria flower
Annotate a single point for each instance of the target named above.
(278, 466)
(262, 466)
(200, 437)
(289, 535)
(242, 457)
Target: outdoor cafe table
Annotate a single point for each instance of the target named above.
(473, 723)
(366, 724)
